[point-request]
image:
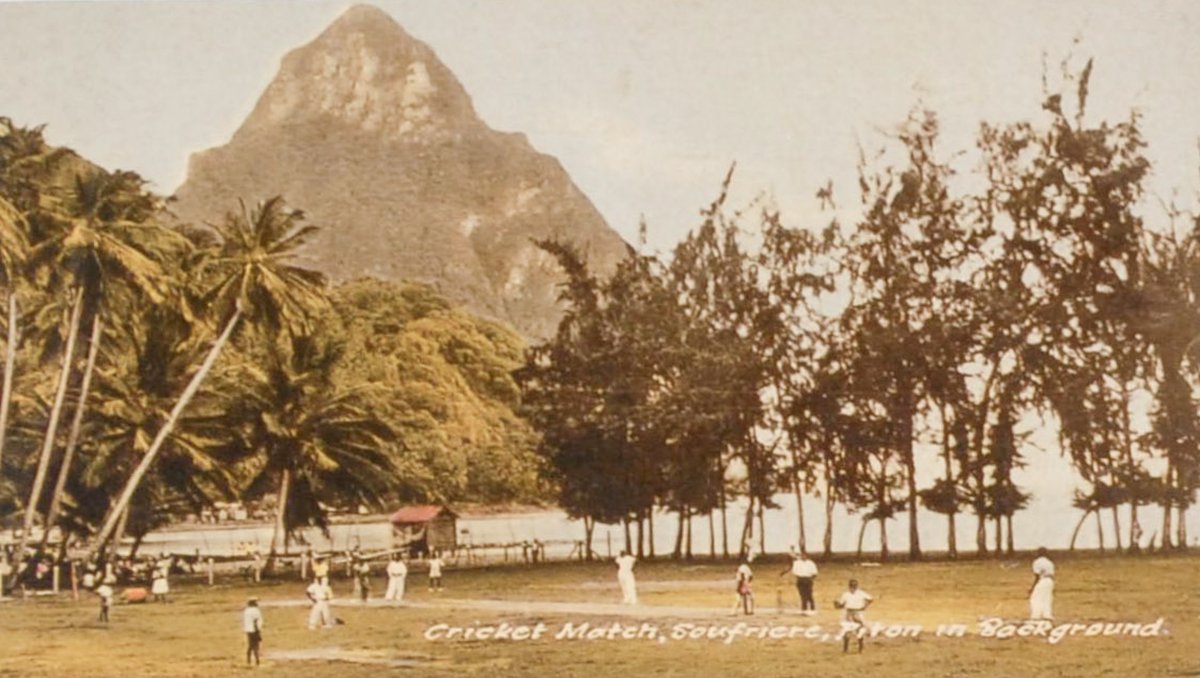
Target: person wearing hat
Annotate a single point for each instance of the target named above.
(252, 624)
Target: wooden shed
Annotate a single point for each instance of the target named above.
(424, 529)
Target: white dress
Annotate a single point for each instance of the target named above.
(160, 587)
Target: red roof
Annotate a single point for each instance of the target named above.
(417, 514)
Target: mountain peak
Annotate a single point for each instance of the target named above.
(366, 72)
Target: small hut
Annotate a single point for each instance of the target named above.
(424, 529)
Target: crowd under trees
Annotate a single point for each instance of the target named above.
(1041, 287)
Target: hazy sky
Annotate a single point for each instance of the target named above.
(645, 103)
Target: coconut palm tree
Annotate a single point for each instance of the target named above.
(255, 280)
(316, 442)
(100, 240)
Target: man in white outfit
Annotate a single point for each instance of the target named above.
(320, 615)
(397, 571)
(625, 578)
(853, 603)
(1041, 592)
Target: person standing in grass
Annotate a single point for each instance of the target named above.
(745, 592)
(625, 578)
(362, 570)
(853, 603)
(397, 572)
(159, 587)
(435, 571)
(252, 624)
(1041, 591)
(320, 594)
(804, 570)
(105, 592)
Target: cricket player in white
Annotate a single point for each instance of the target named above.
(853, 603)
(1041, 592)
(625, 578)
(320, 615)
(397, 571)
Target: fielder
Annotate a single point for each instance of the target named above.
(320, 615)
(397, 572)
(804, 571)
(625, 578)
(252, 624)
(1041, 592)
(853, 603)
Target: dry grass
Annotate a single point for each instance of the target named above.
(198, 634)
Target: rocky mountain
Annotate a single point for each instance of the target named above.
(375, 139)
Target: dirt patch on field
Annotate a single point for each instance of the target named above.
(337, 654)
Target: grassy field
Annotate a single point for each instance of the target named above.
(198, 633)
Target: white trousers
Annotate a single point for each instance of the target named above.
(628, 588)
(320, 615)
(395, 589)
(1041, 601)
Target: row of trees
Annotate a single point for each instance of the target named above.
(955, 311)
(152, 368)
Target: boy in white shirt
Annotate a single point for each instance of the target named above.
(853, 603)
(397, 572)
(625, 578)
(1041, 591)
(252, 624)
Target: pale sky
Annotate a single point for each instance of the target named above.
(645, 103)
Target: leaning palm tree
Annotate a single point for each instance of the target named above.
(315, 441)
(100, 240)
(13, 248)
(255, 280)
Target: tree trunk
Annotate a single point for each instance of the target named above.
(747, 539)
(724, 523)
(1116, 518)
(678, 552)
(1100, 530)
(1078, 526)
(1010, 545)
(650, 531)
(999, 536)
(1135, 529)
(10, 366)
(762, 530)
(688, 553)
(1166, 505)
(910, 472)
(76, 425)
(628, 537)
(799, 513)
(712, 536)
(589, 527)
(1181, 527)
(172, 420)
(281, 506)
(862, 531)
(951, 535)
(981, 534)
(883, 542)
(827, 539)
(641, 535)
(60, 394)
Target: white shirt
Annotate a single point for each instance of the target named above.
(855, 600)
(320, 591)
(1042, 567)
(105, 591)
(744, 573)
(397, 568)
(625, 564)
(803, 567)
(252, 620)
(435, 567)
